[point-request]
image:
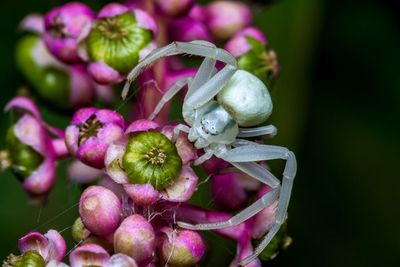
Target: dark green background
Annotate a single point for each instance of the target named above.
(336, 105)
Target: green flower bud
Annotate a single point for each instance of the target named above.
(28, 259)
(118, 41)
(42, 71)
(78, 231)
(281, 241)
(24, 159)
(150, 157)
(260, 61)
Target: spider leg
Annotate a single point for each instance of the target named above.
(251, 153)
(171, 92)
(179, 128)
(197, 48)
(258, 131)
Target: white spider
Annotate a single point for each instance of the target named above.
(214, 107)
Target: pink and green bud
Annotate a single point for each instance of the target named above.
(78, 231)
(175, 8)
(135, 237)
(225, 18)
(65, 26)
(30, 153)
(89, 255)
(149, 158)
(238, 45)
(182, 247)
(50, 246)
(100, 210)
(61, 85)
(253, 54)
(30, 258)
(91, 132)
(117, 42)
(188, 29)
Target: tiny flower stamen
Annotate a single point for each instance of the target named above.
(156, 156)
(111, 29)
(57, 29)
(89, 128)
(270, 62)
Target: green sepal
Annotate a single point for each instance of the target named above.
(24, 159)
(141, 170)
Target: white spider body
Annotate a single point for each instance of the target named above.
(215, 106)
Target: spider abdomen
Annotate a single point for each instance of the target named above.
(246, 98)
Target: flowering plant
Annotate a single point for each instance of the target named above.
(138, 174)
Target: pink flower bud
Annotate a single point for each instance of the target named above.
(182, 247)
(142, 194)
(188, 29)
(91, 132)
(100, 210)
(135, 237)
(30, 150)
(225, 18)
(65, 26)
(227, 192)
(175, 8)
(239, 45)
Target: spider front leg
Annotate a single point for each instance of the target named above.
(197, 48)
(252, 153)
(171, 92)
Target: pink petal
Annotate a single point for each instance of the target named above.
(24, 103)
(89, 255)
(112, 10)
(141, 126)
(104, 74)
(82, 173)
(183, 187)
(42, 179)
(34, 241)
(145, 21)
(33, 23)
(57, 245)
(113, 162)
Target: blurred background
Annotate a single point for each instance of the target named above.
(336, 104)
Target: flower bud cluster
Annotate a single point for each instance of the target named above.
(138, 173)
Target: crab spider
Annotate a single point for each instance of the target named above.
(216, 106)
